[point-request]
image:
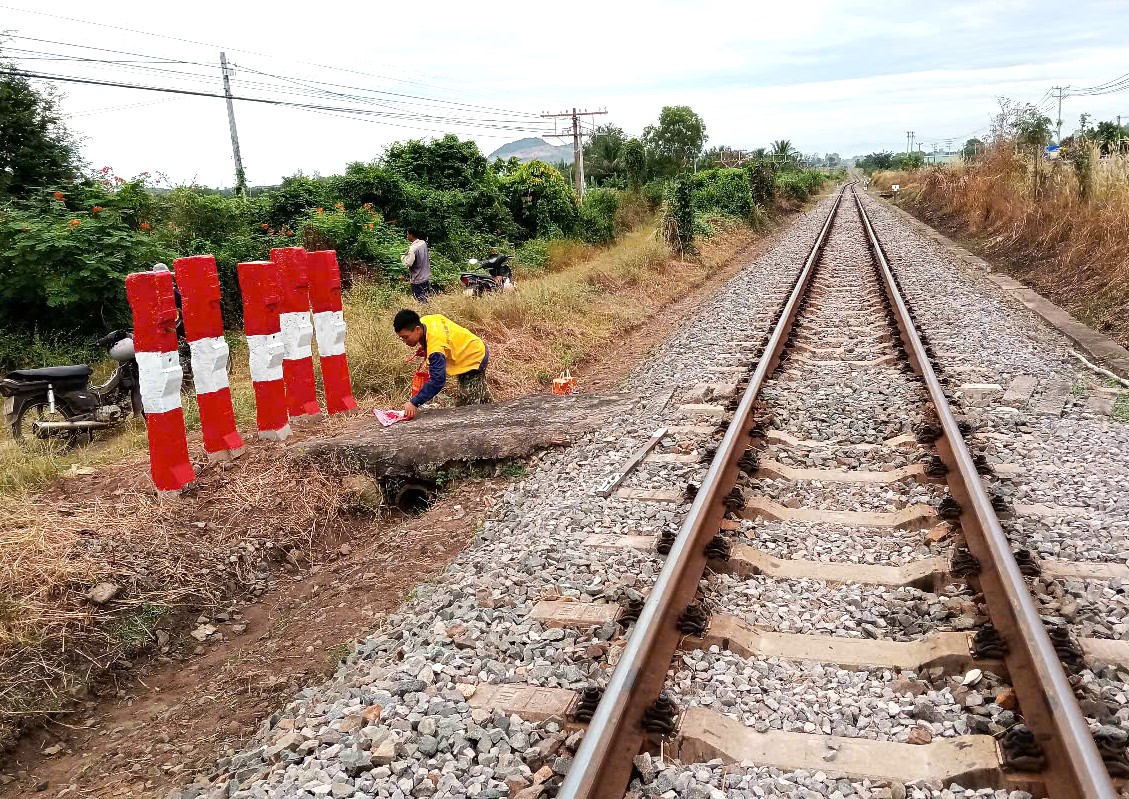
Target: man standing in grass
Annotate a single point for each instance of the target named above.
(450, 350)
(419, 267)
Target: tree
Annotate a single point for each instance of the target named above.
(444, 164)
(875, 162)
(1032, 128)
(1109, 136)
(911, 160)
(634, 158)
(603, 154)
(677, 139)
(36, 149)
(1025, 125)
(784, 154)
(971, 148)
(833, 160)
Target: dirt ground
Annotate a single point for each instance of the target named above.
(164, 721)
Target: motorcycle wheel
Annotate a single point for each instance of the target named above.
(23, 430)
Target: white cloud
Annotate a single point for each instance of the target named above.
(832, 76)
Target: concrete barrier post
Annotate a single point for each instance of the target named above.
(199, 283)
(153, 303)
(329, 326)
(262, 298)
(297, 334)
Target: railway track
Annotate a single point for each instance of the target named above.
(845, 316)
(778, 572)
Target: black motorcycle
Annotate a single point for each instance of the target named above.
(56, 408)
(498, 276)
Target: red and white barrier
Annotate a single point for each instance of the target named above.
(329, 326)
(262, 300)
(297, 334)
(199, 285)
(153, 303)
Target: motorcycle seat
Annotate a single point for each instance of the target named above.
(53, 373)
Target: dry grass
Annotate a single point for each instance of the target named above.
(1073, 250)
(166, 559)
(561, 319)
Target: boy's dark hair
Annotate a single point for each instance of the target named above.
(413, 232)
(406, 319)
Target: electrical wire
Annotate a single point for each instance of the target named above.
(455, 86)
(471, 124)
(404, 99)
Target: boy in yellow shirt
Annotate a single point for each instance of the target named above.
(450, 350)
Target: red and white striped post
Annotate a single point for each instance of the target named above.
(297, 334)
(329, 325)
(262, 297)
(199, 284)
(153, 303)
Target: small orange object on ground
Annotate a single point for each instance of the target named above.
(565, 384)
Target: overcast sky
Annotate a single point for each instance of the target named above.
(849, 77)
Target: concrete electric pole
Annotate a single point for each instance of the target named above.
(1058, 120)
(240, 176)
(577, 145)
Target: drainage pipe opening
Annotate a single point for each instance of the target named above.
(412, 497)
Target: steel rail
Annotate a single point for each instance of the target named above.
(601, 768)
(1074, 765)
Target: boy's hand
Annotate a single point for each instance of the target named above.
(409, 411)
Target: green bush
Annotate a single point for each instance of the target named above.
(541, 201)
(532, 256)
(597, 215)
(679, 224)
(296, 196)
(762, 183)
(63, 262)
(654, 192)
(799, 185)
(724, 190)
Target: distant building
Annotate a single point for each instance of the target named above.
(942, 157)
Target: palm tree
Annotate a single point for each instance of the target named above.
(783, 152)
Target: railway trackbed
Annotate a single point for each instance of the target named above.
(846, 316)
(781, 572)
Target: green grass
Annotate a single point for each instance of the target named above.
(1120, 410)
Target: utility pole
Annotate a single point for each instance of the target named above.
(240, 175)
(909, 135)
(577, 145)
(1058, 121)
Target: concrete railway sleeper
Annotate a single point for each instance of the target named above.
(774, 572)
(901, 468)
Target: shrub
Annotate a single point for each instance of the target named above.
(654, 193)
(67, 266)
(762, 183)
(541, 201)
(296, 195)
(365, 244)
(532, 256)
(799, 185)
(678, 225)
(597, 215)
(724, 190)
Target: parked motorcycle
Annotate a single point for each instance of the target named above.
(498, 276)
(56, 408)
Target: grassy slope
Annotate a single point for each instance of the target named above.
(1074, 251)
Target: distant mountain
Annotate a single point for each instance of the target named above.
(532, 149)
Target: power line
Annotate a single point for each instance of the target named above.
(461, 87)
(468, 123)
(210, 67)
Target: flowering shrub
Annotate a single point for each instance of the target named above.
(62, 269)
